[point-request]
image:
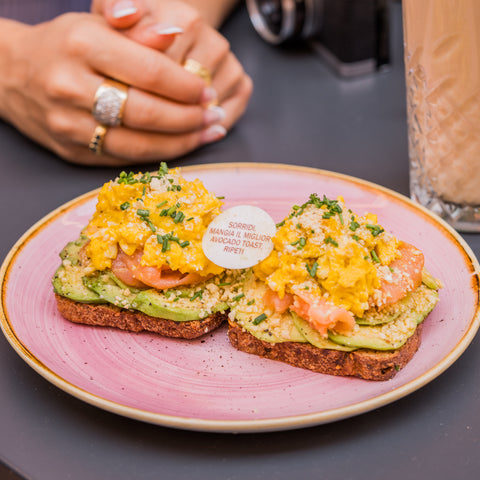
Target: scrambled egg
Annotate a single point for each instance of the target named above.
(162, 214)
(325, 249)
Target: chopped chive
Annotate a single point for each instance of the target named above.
(127, 178)
(259, 319)
(184, 244)
(179, 216)
(145, 178)
(125, 206)
(163, 170)
(331, 241)
(251, 302)
(375, 256)
(161, 204)
(353, 224)
(238, 297)
(220, 197)
(171, 210)
(165, 245)
(280, 224)
(141, 212)
(151, 225)
(375, 229)
(224, 284)
(302, 242)
(196, 295)
(312, 271)
(189, 219)
(356, 237)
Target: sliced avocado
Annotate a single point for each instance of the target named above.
(67, 280)
(392, 335)
(270, 333)
(71, 251)
(151, 302)
(381, 337)
(374, 316)
(252, 315)
(430, 281)
(106, 289)
(315, 338)
(387, 314)
(162, 305)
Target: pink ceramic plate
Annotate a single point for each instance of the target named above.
(206, 384)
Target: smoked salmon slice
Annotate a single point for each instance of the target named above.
(129, 270)
(404, 275)
(322, 314)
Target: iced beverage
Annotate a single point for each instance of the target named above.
(442, 61)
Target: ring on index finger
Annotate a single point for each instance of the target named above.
(98, 137)
(192, 66)
(109, 102)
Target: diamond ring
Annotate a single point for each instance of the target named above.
(109, 102)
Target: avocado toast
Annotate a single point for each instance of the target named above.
(138, 264)
(337, 295)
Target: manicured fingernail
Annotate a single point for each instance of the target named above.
(209, 95)
(213, 114)
(124, 8)
(163, 29)
(213, 133)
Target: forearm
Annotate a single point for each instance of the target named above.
(214, 11)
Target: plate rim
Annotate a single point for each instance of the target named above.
(254, 425)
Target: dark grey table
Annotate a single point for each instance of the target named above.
(300, 114)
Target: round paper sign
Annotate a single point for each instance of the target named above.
(240, 237)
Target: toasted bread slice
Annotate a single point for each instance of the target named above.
(108, 315)
(361, 363)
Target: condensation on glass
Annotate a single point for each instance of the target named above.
(442, 61)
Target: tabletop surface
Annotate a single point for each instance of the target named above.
(302, 114)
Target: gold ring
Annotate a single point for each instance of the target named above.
(192, 66)
(109, 102)
(98, 137)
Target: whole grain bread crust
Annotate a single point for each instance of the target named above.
(107, 315)
(362, 363)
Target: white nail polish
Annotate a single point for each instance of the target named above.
(124, 8)
(214, 114)
(167, 30)
(213, 133)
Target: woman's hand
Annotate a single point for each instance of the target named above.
(158, 23)
(52, 71)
